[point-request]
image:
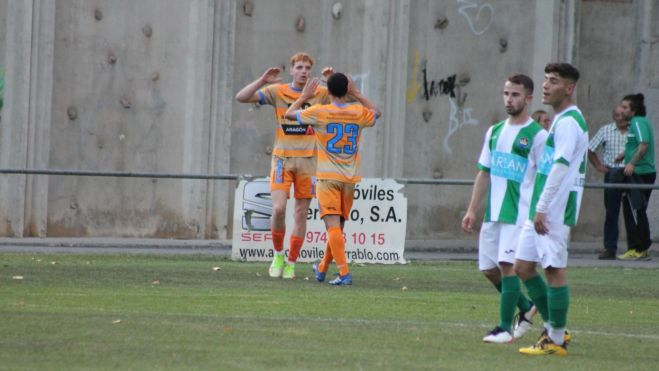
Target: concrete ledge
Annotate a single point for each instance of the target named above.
(430, 246)
(114, 242)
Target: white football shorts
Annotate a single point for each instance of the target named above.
(549, 250)
(497, 242)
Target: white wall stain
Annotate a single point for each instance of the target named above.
(458, 118)
(483, 19)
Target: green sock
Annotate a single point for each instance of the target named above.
(523, 303)
(510, 293)
(537, 289)
(558, 300)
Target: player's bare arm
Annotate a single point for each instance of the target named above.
(356, 94)
(640, 152)
(481, 185)
(248, 93)
(307, 93)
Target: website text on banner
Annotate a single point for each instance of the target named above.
(375, 232)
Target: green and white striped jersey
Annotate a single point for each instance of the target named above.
(567, 144)
(510, 154)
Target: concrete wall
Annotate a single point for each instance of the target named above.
(148, 85)
(133, 94)
(459, 56)
(617, 52)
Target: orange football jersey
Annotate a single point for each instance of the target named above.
(291, 139)
(338, 132)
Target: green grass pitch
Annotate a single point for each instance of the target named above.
(155, 312)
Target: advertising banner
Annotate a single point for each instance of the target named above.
(375, 232)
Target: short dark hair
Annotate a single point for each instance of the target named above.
(564, 70)
(337, 84)
(536, 115)
(521, 79)
(636, 103)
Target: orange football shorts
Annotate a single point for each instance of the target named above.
(297, 171)
(334, 197)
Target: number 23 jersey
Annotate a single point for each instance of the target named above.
(338, 130)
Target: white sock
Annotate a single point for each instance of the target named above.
(556, 335)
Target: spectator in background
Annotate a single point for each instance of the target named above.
(611, 139)
(543, 118)
(639, 169)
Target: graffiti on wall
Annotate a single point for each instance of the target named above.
(428, 87)
(480, 18)
(459, 117)
(433, 88)
(423, 87)
(414, 87)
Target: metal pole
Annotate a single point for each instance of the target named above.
(422, 181)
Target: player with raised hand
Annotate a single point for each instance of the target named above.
(293, 154)
(338, 128)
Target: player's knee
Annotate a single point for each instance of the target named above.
(492, 275)
(523, 271)
(278, 211)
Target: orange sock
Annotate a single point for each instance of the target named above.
(296, 245)
(278, 239)
(338, 247)
(324, 264)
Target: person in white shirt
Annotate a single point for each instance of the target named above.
(611, 139)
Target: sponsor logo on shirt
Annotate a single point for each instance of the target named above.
(508, 166)
(297, 129)
(546, 160)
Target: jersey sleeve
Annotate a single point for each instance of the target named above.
(368, 117)
(485, 159)
(597, 140)
(641, 131)
(267, 95)
(566, 135)
(307, 116)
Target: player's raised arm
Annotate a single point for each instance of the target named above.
(308, 92)
(248, 93)
(356, 94)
